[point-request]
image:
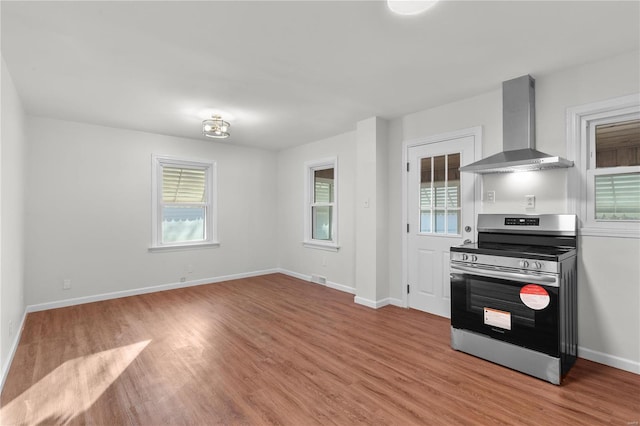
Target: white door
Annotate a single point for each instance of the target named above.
(441, 214)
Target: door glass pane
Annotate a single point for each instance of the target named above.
(323, 186)
(426, 192)
(453, 222)
(181, 224)
(453, 194)
(439, 185)
(440, 216)
(321, 219)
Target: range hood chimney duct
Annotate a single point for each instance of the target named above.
(518, 134)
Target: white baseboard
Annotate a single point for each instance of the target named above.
(396, 302)
(12, 352)
(144, 290)
(330, 284)
(366, 302)
(375, 304)
(295, 274)
(347, 289)
(340, 287)
(610, 360)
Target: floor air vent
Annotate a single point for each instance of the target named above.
(318, 279)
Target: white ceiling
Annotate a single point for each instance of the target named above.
(289, 72)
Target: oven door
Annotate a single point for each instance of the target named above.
(508, 305)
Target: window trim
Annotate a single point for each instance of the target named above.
(309, 168)
(211, 225)
(580, 121)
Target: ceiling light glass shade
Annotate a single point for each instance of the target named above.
(215, 127)
(410, 7)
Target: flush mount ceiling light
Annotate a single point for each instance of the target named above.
(215, 127)
(410, 7)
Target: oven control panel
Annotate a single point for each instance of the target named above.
(547, 224)
(522, 221)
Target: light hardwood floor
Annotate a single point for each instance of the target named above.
(277, 350)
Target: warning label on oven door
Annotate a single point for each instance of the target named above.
(534, 296)
(496, 318)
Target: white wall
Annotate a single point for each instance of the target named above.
(371, 207)
(382, 210)
(337, 267)
(89, 211)
(609, 271)
(12, 183)
(609, 301)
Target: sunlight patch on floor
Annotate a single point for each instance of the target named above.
(71, 388)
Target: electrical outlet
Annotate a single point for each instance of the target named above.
(66, 284)
(529, 202)
(491, 197)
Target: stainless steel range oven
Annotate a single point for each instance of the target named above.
(514, 293)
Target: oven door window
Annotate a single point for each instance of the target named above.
(494, 307)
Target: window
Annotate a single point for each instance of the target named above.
(440, 211)
(605, 140)
(321, 212)
(183, 203)
(614, 171)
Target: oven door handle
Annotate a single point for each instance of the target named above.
(508, 275)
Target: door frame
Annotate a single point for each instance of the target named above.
(476, 132)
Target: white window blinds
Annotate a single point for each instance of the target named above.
(617, 197)
(183, 185)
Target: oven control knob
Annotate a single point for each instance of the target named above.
(474, 257)
(465, 257)
(537, 265)
(524, 264)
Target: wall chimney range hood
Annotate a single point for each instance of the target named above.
(518, 134)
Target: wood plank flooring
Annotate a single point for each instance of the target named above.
(277, 350)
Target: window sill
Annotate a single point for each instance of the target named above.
(610, 233)
(321, 246)
(180, 247)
